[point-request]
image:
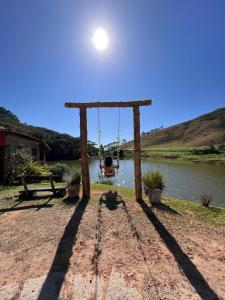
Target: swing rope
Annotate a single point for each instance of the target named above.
(100, 147)
(118, 137)
(99, 137)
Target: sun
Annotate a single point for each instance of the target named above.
(100, 39)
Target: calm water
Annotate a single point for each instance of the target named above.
(185, 180)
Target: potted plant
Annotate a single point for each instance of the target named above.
(73, 186)
(153, 185)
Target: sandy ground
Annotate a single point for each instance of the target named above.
(111, 248)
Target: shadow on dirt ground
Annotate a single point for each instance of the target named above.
(16, 207)
(60, 265)
(111, 200)
(191, 272)
(165, 208)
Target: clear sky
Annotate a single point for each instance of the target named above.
(172, 51)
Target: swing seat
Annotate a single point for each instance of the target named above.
(110, 175)
(111, 171)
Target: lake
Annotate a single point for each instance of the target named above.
(185, 180)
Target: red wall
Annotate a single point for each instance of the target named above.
(2, 138)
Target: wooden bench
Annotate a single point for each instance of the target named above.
(29, 192)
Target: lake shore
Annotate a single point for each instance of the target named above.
(174, 250)
(176, 155)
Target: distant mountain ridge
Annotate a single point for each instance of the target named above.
(64, 146)
(201, 131)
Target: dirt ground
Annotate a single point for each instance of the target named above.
(107, 248)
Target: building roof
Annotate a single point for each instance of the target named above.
(44, 144)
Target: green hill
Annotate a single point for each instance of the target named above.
(202, 131)
(63, 146)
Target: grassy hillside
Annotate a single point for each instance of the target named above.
(202, 131)
(64, 146)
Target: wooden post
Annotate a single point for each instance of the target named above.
(52, 185)
(137, 154)
(25, 186)
(84, 153)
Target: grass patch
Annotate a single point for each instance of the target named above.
(181, 155)
(214, 215)
(172, 148)
(123, 191)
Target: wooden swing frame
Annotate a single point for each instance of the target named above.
(84, 142)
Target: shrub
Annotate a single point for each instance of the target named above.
(60, 170)
(76, 178)
(221, 147)
(212, 149)
(35, 169)
(153, 180)
(20, 163)
(18, 158)
(206, 199)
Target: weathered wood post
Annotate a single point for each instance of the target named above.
(137, 154)
(84, 153)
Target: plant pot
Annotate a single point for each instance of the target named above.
(154, 196)
(73, 190)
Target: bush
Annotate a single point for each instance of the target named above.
(221, 147)
(206, 199)
(212, 149)
(20, 163)
(76, 178)
(18, 158)
(35, 169)
(60, 170)
(153, 180)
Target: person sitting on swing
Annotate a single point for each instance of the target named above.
(109, 169)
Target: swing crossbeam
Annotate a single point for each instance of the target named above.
(83, 137)
(108, 104)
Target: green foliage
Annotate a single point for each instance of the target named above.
(101, 151)
(17, 160)
(153, 180)
(7, 115)
(60, 170)
(206, 199)
(20, 164)
(212, 149)
(35, 169)
(190, 209)
(221, 147)
(119, 153)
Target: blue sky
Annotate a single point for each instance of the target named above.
(172, 51)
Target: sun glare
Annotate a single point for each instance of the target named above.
(100, 39)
